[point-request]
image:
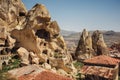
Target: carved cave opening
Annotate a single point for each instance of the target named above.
(42, 33)
(21, 14)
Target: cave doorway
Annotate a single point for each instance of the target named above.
(42, 33)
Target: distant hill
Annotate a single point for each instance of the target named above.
(66, 33)
(109, 36)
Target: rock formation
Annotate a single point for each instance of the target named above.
(40, 35)
(84, 49)
(12, 15)
(99, 45)
(12, 12)
(33, 35)
(91, 46)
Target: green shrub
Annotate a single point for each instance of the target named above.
(14, 64)
(78, 64)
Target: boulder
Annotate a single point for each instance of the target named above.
(34, 58)
(46, 66)
(24, 56)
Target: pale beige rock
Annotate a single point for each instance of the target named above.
(61, 64)
(54, 70)
(61, 71)
(11, 41)
(37, 16)
(54, 29)
(11, 11)
(34, 58)
(3, 34)
(46, 66)
(24, 55)
(36, 37)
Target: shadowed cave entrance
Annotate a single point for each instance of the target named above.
(42, 33)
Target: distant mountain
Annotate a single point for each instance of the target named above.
(67, 33)
(112, 33)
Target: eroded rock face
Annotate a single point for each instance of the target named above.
(41, 36)
(2, 32)
(98, 43)
(91, 46)
(33, 35)
(84, 49)
(12, 11)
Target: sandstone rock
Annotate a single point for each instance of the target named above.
(11, 11)
(84, 49)
(40, 13)
(34, 58)
(54, 70)
(62, 72)
(24, 55)
(2, 32)
(11, 42)
(27, 39)
(41, 33)
(54, 29)
(98, 43)
(60, 63)
(46, 66)
(36, 37)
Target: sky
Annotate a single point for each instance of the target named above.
(75, 15)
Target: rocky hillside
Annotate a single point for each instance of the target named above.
(34, 38)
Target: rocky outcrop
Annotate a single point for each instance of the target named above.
(84, 49)
(33, 36)
(98, 43)
(12, 12)
(91, 46)
(40, 35)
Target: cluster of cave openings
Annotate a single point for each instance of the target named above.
(42, 33)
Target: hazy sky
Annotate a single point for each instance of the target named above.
(75, 15)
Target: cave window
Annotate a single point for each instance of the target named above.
(45, 51)
(21, 14)
(42, 33)
(45, 44)
(48, 61)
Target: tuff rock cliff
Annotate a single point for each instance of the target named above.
(33, 35)
(84, 49)
(99, 44)
(90, 46)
